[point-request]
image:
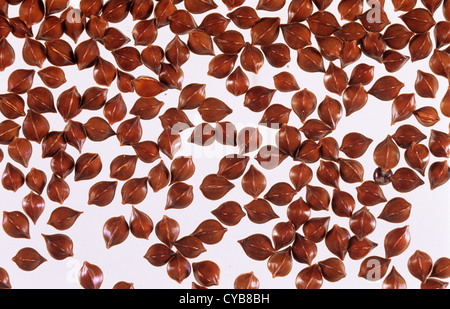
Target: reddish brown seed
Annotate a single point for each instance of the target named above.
(418, 20)
(209, 232)
(125, 82)
(396, 210)
(439, 63)
(374, 25)
(40, 99)
(354, 145)
(373, 46)
(56, 6)
(158, 255)
(244, 17)
(63, 218)
(417, 156)
(280, 194)
(215, 187)
(337, 240)
(420, 46)
(90, 276)
(177, 52)
(207, 273)
(33, 52)
(394, 280)
(148, 87)
(298, 212)
(330, 112)
(405, 5)
(214, 24)
(178, 268)
(52, 77)
(315, 229)
(134, 191)
(237, 83)
(427, 116)
(303, 250)
(374, 268)
(323, 23)
(303, 104)
(121, 285)
(74, 23)
(146, 108)
(247, 281)
(97, 129)
(285, 82)
(28, 259)
(141, 225)
(52, 143)
(259, 211)
(181, 169)
(115, 11)
(350, 9)
(229, 213)
(60, 53)
(221, 65)
(145, 32)
(232, 166)
(310, 60)
(393, 60)
(20, 150)
(115, 231)
(203, 135)
(351, 171)
(175, 119)
(299, 10)
(332, 269)
(75, 134)
(269, 157)
(328, 174)
(441, 33)
(113, 39)
(179, 196)
(8, 131)
(213, 110)
(115, 109)
(94, 98)
(62, 164)
(426, 84)
(192, 96)
(257, 247)
(127, 58)
(386, 88)
(258, 98)
(397, 241)
(129, 131)
(445, 104)
(20, 81)
(433, 284)
(167, 230)
(57, 189)
(249, 139)
(360, 248)
(198, 7)
(31, 11)
(370, 194)
(33, 205)
(438, 174)
(342, 203)
(88, 166)
(330, 47)
(280, 263)
(309, 278)
(230, 42)
(386, 155)
(362, 223)
(315, 129)
(296, 35)
(104, 72)
(159, 177)
(12, 105)
(7, 54)
(5, 283)
(406, 135)
(199, 42)
(12, 178)
(189, 246)
(19, 29)
(308, 152)
(226, 133)
(59, 246)
(36, 180)
(420, 265)
(275, 116)
(169, 142)
(441, 268)
(439, 144)
(102, 193)
(403, 107)
(253, 182)
(69, 103)
(397, 36)
(352, 31)
(269, 5)
(16, 224)
(361, 74)
(406, 180)
(277, 54)
(288, 139)
(96, 26)
(317, 198)
(283, 234)
(252, 59)
(265, 31)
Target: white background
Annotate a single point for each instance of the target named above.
(429, 219)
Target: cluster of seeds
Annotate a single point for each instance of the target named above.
(317, 37)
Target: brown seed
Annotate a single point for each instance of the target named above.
(213, 110)
(433, 284)
(406, 180)
(309, 278)
(60, 53)
(315, 129)
(31, 12)
(386, 88)
(62, 164)
(125, 82)
(12, 178)
(59, 246)
(361, 74)
(397, 241)
(162, 12)
(175, 119)
(258, 98)
(5, 283)
(12, 105)
(244, 17)
(246, 281)
(207, 273)
(20, 81)
(249, 139)
(33, 53)
(439, 144)
(396, 210)
(275, 116)
(229, 213)
(129, 131)
(115, 11)
(209, 232)
(40, 100)
(288, 139)
(148, 87)
(28, 259)
(102, 193)
(167, 230)
(215, 187)
(226, 133)
(304, 104)
(374, 268)
(394, 280)
(420, 46)
(323, 23)
(90, 276)
(147, 151)
(405, 5)
(374, 25)
(177, 52)
(7, 54)
(179, 196)
(169, 142)
(178, 267)
(342, 203)
(19, 29)
(298, 212)
(373, 46)
(203, 135)
(232, 166)
(36, 180)
(351, 171)
(94, 98)
(354, 145)
(159, 177)
(332, 269)
(441, 268)
(33, 205)
(417, 156)
(222, 65)
(86, 54)
(337, 240)
(269, 5)
(113, 39)
(115, 231)
(299, 10)
(403, 107)
(370, 194)
(127, 58)
(440, 63)
(310, 60)
(303, 250)
(265, 31)
(96, 26)
(146, 108)
(115, 109)
(296, 35)
(158, 255)
(418, 20)
(75, 134)
(362, 223)
(397, 36)
(56, 6)
(198, 7)
(16, 224)
(74, 23)
(192, 96)
(104, 72)
(35, 127)
(145, 32)
(426, 84)
(253, 182)
(359, 248)
(259, 211)
(308, 152)
(52, 143)
(230, 42)
(69, 103)
(352, 31)
(20, 150)
(386, 155)
(199, 42)
(283, 234)
(330, 47)
(141, 225)
(420, 265)
(214, 24)
(134, 191)
(277, 54)
(285, 82)
(350, 9)
(280, 194)
(330, 112)
(97, 129)
(190, 246)
(406, 135)
(52, 77)
(8, 131)
(280, 263)
(317, 198)
(438, 174)
(393, 60)
(57, 189)
(88, 166)
(63, 218)
(237, 83)
(315, 229)
(123, 285)
(257, 247)
(441, 33)
(181, 169)
(445, 104)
